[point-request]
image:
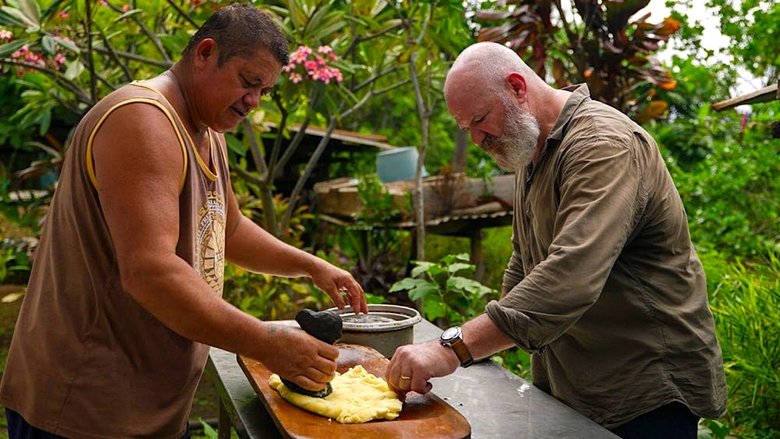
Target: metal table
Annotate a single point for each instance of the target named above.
(497, 403)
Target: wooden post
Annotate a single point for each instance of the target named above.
(477, 256)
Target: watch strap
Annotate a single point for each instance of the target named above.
(462, 352)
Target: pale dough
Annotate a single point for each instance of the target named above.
(357, 397)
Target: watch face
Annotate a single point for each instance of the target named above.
(450, 333)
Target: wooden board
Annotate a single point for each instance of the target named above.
(443, 195)
(423, 416)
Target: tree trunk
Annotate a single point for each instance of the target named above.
(419, 201)
(461, 149)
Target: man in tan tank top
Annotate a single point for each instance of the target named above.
(125, 293)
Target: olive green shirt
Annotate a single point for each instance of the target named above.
(604, 286)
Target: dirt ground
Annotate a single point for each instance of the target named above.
(206, 403)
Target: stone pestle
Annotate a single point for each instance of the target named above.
(325, 326)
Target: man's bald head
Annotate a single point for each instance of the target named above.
(485, 66)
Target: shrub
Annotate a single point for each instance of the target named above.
(445, 297)
(731, 195)
(496, 245)
(746, 305)
(374, 250)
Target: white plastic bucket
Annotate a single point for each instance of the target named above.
(397, 164)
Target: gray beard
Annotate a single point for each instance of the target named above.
(516, 147)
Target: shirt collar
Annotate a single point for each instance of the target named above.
(580, 93)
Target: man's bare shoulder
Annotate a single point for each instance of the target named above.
(142, 136)
(146, 124)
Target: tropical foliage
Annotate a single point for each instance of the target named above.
(377, 66)
(598, 43)
(446, 297)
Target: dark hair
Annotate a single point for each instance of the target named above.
(240, 30)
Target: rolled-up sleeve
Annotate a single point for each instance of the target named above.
(596, 191)
(514, 269)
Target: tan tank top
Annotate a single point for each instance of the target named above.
(86, 360)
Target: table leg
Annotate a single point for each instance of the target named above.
(223, 429)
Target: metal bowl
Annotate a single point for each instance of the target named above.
(384, 328)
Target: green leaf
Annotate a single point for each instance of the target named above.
(66, 44)
(449, 259)
(324, 32)
(434, 310)
(208, 430)
(375, 298)
(44, 121)
(31, 10)
(236, 145)
(315, 21)
(297, 15)
(436, 270)
(407, 283)
(12, 297)
(457, 283)
(379, 6)
(127, 14)
(421, 268)
(9, 48)
(454, 268)
(51, 9)
(423, 291)
(13, 17)
(48, 44)
(74, 69)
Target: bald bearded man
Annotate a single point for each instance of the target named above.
(604, 287)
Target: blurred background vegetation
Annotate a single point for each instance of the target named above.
(59, 56)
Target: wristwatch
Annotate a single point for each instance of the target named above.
(453, 338)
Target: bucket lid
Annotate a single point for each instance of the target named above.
(398, 150)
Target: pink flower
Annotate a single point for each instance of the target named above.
(316, 75)
(125, 8)
(6, 35)
(26, 55)
(63, 15)
(21, 52)
(743, 124)
(337, 75)
(102, 2)
(59, 60)
(300, 55)
(328, 52)
(34, 58)
(316, 66)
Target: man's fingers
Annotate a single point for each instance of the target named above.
(401, 394)
(357, 297)
(309, 384)
(354, 296)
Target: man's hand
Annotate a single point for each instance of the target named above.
(337, 282)
(413, 365)
(311, 365)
